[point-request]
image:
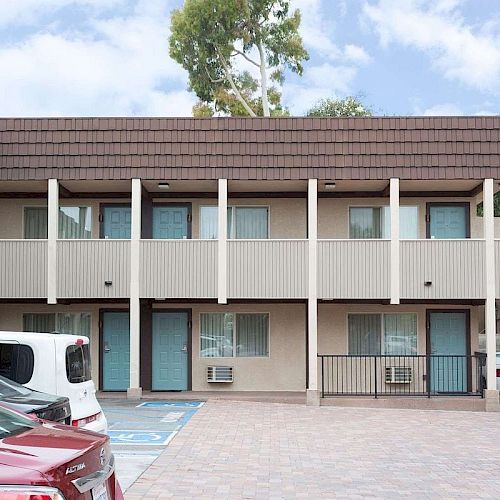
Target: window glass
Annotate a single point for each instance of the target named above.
(216, 335)
(252, 333)
(16, 362)
(365, 222)
(249, 223)
(35, 223)
(209, 223)
(364, 333)
(75, 223)
(78, 367)
(70, 323)
(400, 334)
(408, 222)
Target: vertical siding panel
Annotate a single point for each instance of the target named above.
(23, 268)
(178, 269)
(84, 266)
(455, 267)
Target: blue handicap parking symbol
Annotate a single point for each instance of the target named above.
(172, 404)
(144, 438)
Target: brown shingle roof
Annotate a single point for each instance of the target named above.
(250, 148)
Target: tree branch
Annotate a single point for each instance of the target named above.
(246, 57)
(219, 80)
(240, 98)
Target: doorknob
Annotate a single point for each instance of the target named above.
(107, 348)
(184, 348)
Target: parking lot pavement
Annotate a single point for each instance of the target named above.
(235, 450)
(139, 432)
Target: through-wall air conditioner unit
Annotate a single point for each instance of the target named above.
(219, 374)
(398, 375)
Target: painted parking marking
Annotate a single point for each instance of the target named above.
(172, 416)
(172, 404)
(141, 438)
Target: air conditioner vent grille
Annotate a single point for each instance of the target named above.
(219, 374)
(398, 375)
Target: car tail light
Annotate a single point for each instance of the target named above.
(498, 372)
(84, 421)
(29, 493)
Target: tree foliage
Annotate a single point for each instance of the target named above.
(211, 38)
(350, 106)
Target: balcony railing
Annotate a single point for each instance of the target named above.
(405, 375)
(354, 269)
(23, 269)
(274, 269)
(442, 269)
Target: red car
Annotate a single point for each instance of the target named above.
(46, 461)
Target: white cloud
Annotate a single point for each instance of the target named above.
(446, 109)
(19, 12)
(121, 68)
(461, 52)
(356, 54)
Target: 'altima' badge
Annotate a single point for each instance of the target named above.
(75, 468)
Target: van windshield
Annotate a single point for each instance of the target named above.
(78, 363)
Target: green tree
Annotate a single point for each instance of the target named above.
(210, 37)
(350, 106)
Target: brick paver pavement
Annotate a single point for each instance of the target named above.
(266, 450)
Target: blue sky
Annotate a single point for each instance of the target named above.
(110, 57)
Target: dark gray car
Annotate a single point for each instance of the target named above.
(44, 406)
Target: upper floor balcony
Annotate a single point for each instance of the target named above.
(265, 253)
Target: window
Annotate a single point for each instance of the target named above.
(242, 222)
(70, 323)
(224, 335)
(78, 367)
(16, 362)
(374, 334)
(375, 222)
(74, 223)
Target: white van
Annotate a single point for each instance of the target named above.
(56, 364)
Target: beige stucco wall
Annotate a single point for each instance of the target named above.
(287, 215)
(333, 214)
(12, 218)
(284, 368)
(332, 323)
(11, 319)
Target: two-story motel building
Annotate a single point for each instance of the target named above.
(347, 257)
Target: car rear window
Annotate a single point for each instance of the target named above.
(16, 362)
(78, 363)
(11, 423)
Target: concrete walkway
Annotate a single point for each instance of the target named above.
(264, 450)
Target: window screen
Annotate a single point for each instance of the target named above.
(364, 332)
(252, 331)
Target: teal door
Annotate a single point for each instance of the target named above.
(170, 351)
(170, 222)
(116, 222)
(448, 347)
(116, 351)
(448, 221)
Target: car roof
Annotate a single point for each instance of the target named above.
(58, 337)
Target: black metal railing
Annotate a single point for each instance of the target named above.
(401, 375)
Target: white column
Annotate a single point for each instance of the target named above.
(52, 235)
(222, 243)
(313, 395)
(135, 390)
(489, 310)
(394, 209)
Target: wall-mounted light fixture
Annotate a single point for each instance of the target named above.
(108, 283)
(163, 185)
(427, 283)
(330, 185)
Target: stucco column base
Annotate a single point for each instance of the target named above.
(492, 399)
(134, 393)
(312, 397)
